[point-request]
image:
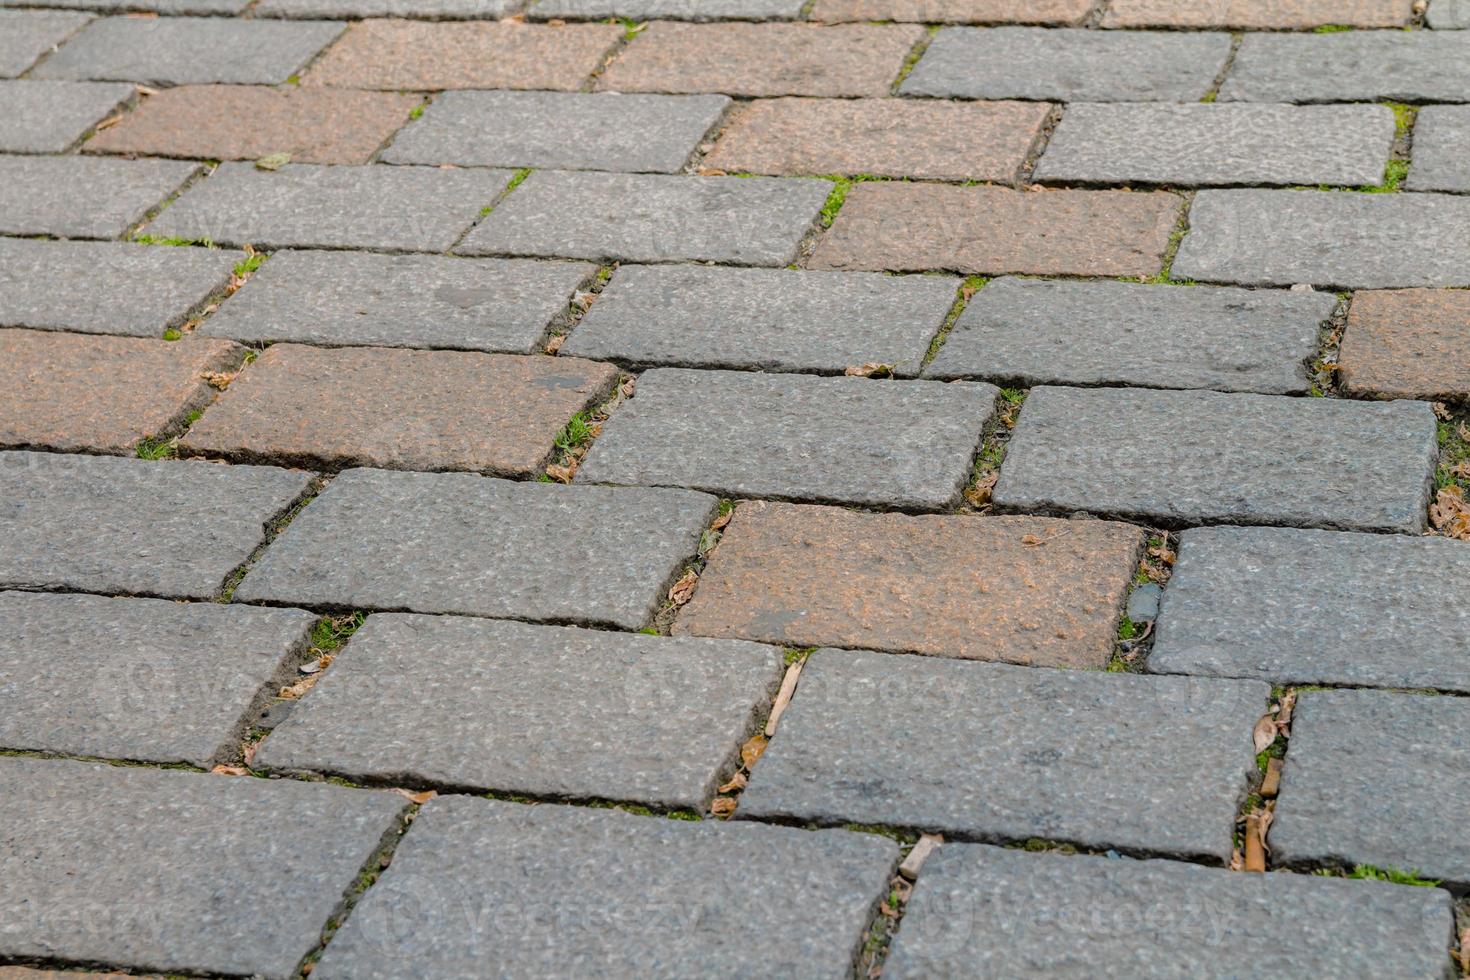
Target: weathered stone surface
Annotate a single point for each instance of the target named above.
(66, 392)
(1377, 778)
(1260, 14)
(455, 543)
(1441, 149)
(1449, 14)
(889, 137)
(419, 209)
(399, 409)
(77, 197)
(990, 911)
(48, 117)
(26, 35)
(176, 872)
(1023, 589)
(1407, 343)
(1201, 145)
(485, 881)
(907, 444)
(651, 218)
(1202, 457)
(1350, 66)
(358, 9)
(86, 675)
(450, 701)
(763, 59)
(903, 227)
(1036, 331)
(1061, 755)
(206, 8)
(1051, 12)
(667, 9)
(1363, 241)
(1068, 65)
(566, 130)
(128, 526)
(1360, 609)
(763, 319)
(346, 298)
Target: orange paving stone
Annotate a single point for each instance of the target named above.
(1408, 343)
(1259, 14)
(1061, 12)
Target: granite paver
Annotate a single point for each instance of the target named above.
(359, 9)
(1260, 14)
(26, 35)
(1050, 12)
(78, 197)
(1351, 66)
(48, 117)
(1203, 457)
(641, 10)
(904, 444)
(1441, 149)
(1022, 589)
(1407, 343)
(203, 8)
(1447, 15)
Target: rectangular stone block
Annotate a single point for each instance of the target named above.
(1049, 12)
(26, 35)
(359, 9)
(1035, 331)
(1361, 609)
(133, 527)
(1449, 14)
(763, 319)
(1201, 457)
(202, 8)
(652, 218)
(175, 872)
(78, 197)
(667, 9)
(1027, 590)
(1260, 14)
(519, 886)
(562, 130)
(48, 117)
(1350, 66)
(454, 543)
(904, 444)
(1061, 755)
(1441, 149)
(449, 701)
(1407, 343)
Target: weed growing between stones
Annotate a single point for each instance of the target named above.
(985, 470)
(1449, 513)
(966, 292)
(915, 53)
(1171, 249)
(577, 307)
(1322, 369)
(574, 440)
(682, 589)
(1136, 624)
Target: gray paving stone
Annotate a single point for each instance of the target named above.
(1001, 753)
(1351, 66)
(187, 7)
(1441, 160)
(417, 209)
(1201, 145)
(357, 9)
(176, 872)
(902, 444)
(137, 678)
(1360, 609)
(48, 117)
(1445, 15)
(1377, 778)
(48, 285)
(1352, 241)
(668, 9)
(566, 891)
(1201, 457)
(652, 218)
(988, 911)
(129, 526)
(26, 35)
(83, 197)
(1037, 331)
(1068, 65)
(763, 319)
(453, 543)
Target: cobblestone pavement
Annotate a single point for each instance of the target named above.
(795, 488)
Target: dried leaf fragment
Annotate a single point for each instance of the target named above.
(736, 784)
(873, 369)
(978, 494)
(561, 474)
(751, 751)
(554, 344)
(1265, 732)
(412, 797)
(683, 590)
(230, 771)
(722, 806)
(1450, 514)
(219, 380)
(273, 161)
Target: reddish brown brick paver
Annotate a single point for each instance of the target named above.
(1268, 14)
(1408, 343)
(1021, 589)
(763, 59)
(955, 11)
(993, 230)
(101, 394)
(247, 122)
(399, 409)
(889, 137)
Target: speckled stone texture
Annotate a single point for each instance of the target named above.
(91, 676)
(559, 891)
(357, 9)
(1377, 778)
(133, 527)
(449, 701)
(1351, 66)
(302, 205)
(1361, 609)
(667, 9)
(1201, 457)
(763, 319)
(1028, 590)
(76, 197)
(888, 137)
(72, 393)
(454, 543)
(903, 227)
(1441, 149)
(1260, 14)
(1407, 343)
(1000, 753)
(763, 59)
(207, 8)
(652, 218)
(1033, 331)
(1202, 145)
(1349, 241)
(48, 117)
(25, 35)
(1449, 15)
(1066, 65)
(1051, 12)
(565, 130)
(176, 872)
(988, 911)
(399, 409)
(904, 444)
(346, 298)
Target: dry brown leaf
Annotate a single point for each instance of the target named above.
(218, 379)
(967, 291)
(1283, 713)
(247, 752)
(1255, 843)
(299, 689)
(1271, 782)
(628, 387)
(1461, 470)
(711, 172)
(554, 344)
(723, 520)
(1450, 514)
(1442, 410)
(887, 911)
(1163, 553)
(1265, 732)
(751, 751)
(230, 771)
(412, 797)
(979, 493)
(783, 697)
(871, 370)
(737, 782)
(722, 806)
(1237, 862)
(683, 590)
(561, 474)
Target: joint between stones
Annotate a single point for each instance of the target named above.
(1140, 607)
(270, 531)
(1258, 806)
(761, 727)
(681, 586)
(133, 231)
(912, 58)
(1213, 93)
(963, 295)
(620, 43)
(516, 180)
(572, 444)
(985, 469)
(1322, 366)
(1038, 146)
(577, 307)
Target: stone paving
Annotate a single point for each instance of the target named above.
(814, 488)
